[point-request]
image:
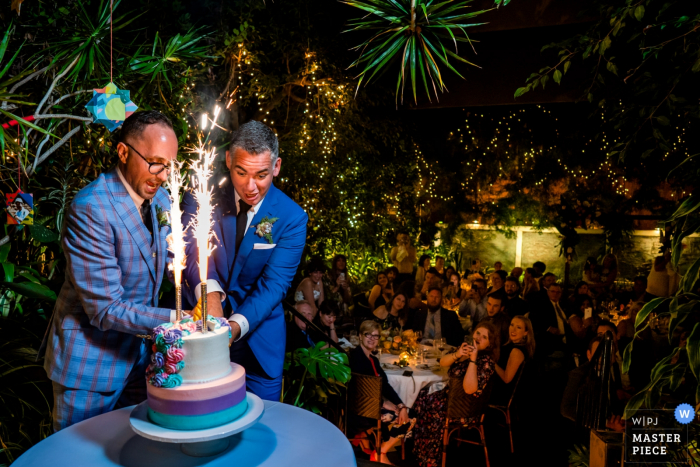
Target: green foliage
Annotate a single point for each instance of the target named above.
(314, 374)
(418, 30)
(682, 365)
(639, 60)
(579, 456)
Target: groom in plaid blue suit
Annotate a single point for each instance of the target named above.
(116, 257)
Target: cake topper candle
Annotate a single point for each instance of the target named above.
(177, 244)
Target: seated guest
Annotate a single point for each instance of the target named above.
(381, 292)
(412, 293)
(298, 336)
(325, 319)
(440, 266)
(362, 361)
(423, 266)
(338, 285)
(475, 303)
(476, 364)
(519, 349)
(581, 318)
(549, 321)
(513, 304)
(432, 279)
(540, 268)
(496, 315)
(516, 272)
(310, 289)
(437, 322)
(530, 285)
(454, 291)
(497, 279)
(580, 289)
(393, 315)
(497, 266)
(547, 280)
(392, 273)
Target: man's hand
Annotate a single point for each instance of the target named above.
(235, 332)
(213, 307)
(553, 330)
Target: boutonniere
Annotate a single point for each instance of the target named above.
(163, 217)
(264, 228)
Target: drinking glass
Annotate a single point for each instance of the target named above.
(468, 338)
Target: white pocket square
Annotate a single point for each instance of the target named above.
(263, 246)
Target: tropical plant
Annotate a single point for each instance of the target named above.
(314, 374)
(579, 456)
(418, 29)
(679, 371)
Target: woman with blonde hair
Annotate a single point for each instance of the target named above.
(519, 349)
(530, 284)
(395, 421)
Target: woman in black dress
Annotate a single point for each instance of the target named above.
(394, 412)
(519, 349)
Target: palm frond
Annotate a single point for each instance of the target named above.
(420, 29)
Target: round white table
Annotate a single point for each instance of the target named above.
(408, 387)
(285, 435)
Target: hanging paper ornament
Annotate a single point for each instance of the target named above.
(20, 208)
(110, 106)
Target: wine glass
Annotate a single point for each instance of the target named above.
(440, 343)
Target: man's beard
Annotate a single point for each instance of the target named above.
(512, 295)
(434, 308)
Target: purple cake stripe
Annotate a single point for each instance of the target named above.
(201, 407)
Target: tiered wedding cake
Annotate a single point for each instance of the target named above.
(192, 385)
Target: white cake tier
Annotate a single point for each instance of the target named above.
(206, 356)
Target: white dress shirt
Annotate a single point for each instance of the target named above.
(214, 286)
(138, 201)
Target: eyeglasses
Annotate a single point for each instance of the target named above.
(153, 167)
(372, 337)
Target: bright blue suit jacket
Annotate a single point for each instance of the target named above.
(110, 293)
(257, 280)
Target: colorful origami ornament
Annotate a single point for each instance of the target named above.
(110, 106)
(20, 208)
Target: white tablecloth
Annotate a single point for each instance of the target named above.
(408, 387)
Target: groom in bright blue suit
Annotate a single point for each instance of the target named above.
(260, 235)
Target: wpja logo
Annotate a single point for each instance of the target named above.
(658, 435)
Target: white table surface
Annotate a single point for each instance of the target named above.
(408, 387)
(284, 436)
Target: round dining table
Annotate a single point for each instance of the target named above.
(285, 435)
(408, 387)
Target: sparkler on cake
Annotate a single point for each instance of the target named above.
(177, 242)
(202, 222)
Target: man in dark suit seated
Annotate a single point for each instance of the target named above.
(513, 304)
(437, 322)
(550, 323)
(497, 316)
(298, 336)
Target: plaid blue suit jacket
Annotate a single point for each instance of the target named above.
(110, 293)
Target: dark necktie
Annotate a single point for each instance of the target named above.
(146, 215)
(241, 222)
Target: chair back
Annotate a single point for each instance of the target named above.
(518, 377)
(365, 396)
(463, 405)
